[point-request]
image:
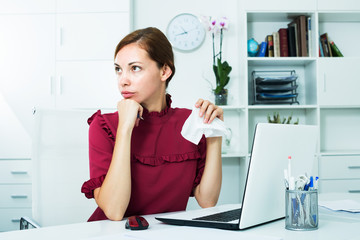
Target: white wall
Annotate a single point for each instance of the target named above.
(188, 83)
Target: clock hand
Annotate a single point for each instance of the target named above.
(185, 32)
(181, 33)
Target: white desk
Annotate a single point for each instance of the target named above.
(332, 225)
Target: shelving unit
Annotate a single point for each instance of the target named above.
(259, 24)
(328, 87)
(339, 104)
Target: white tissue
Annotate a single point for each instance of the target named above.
(194, 127)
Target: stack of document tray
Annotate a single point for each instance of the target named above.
(275, 87)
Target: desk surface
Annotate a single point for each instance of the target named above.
(332, 225)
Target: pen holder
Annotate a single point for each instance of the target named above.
(301, 210)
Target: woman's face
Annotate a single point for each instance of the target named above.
(139, 77)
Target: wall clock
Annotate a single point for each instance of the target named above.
(185, 32)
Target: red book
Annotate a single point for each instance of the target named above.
(284, 46)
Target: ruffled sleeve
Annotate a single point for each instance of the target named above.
(200, 163)
(89, 186)
(101, 144)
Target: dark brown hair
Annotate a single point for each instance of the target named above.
(155, 43)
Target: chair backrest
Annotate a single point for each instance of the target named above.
(28, 223)
(61, 165)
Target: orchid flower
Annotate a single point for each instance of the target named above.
(223, 23)
(221, 69)
(206, 22)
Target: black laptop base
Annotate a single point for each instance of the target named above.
(193, 223)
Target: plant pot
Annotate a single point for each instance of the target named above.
(221, 98)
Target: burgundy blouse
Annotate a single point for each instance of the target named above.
(165, 167)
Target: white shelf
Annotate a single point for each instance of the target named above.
(340, 16)
(276, 61)
(294, 106)
(340, 153)
(274, 16)
(233, 155)
(339, 106)
(355, 58)
(229, 107)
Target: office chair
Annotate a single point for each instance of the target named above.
(60, 166)
(28, 223)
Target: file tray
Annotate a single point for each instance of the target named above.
(275, 87)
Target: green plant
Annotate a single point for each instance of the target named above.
(221, 68)
(221, 71)
(277, 119)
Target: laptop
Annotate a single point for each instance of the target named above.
(264, 195)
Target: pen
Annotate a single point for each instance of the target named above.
(291, 183)
(289, 168)
(286, 179)
(286, 184)
(316, 184)
(311, 184)
(138, 116)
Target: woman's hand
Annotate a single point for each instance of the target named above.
(129, 112)
(113, 196)
(208, 191)
(210, 110)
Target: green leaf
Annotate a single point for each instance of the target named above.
(221, 71)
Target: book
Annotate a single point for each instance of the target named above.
(321, 49)
(302, 31)
(284, 45)
(293, 39)
(309, 37)
(335, 50)
(262, 50)
(276, 44)
(326, 45)
(270, 46)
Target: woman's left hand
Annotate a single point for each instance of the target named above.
(210, 110)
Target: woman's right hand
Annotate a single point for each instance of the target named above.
(128, 111)
(113, 196)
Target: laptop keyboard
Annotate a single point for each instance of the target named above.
(227, 216)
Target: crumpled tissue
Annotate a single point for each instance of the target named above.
(194, 127)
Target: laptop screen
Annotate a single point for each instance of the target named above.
(264, 196)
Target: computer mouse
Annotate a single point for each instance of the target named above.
(136, 223)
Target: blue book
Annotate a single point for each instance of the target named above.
(309, 37)
(262, 51)
(321, 49)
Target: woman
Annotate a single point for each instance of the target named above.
(139, 162)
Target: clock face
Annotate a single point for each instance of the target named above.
(185, 32)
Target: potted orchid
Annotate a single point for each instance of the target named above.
(221, 68)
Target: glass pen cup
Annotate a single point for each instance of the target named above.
(301, 210)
